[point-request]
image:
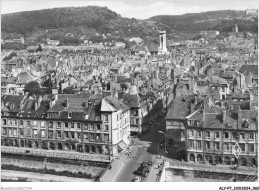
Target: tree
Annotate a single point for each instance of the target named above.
(33, 88)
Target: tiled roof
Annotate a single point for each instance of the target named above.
(213, 120)
(130, 100)
(24, 77)
(8, 100)
(11, 80)
(196, 116)
(252, 68)
(180, 108)
(117, 104)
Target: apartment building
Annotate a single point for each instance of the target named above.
(90, 124)
(212, 135)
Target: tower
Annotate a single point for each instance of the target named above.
(236, 28)
(162, 40)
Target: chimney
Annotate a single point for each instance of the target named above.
(67, 102)
(133, 90)
(239, 113)
(86, 104)
(224, 115)
(116, 94)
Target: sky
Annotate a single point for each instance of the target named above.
(140, 9)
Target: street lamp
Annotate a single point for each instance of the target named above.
(164, 143)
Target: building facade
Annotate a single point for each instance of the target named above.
(92, 125)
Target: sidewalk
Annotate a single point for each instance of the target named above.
(38, 177)
(110, 175)
(152, 177)
(211, 168)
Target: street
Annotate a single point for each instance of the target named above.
(145, 148)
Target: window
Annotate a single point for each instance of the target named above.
(91, 137)
(98, 137)
(207, 144)
(69, 115)
(4, 131)
(226, 135)
(66, 124)
(106, 118)
(251, 136)
(66, 134)
(85, 126)
(217, 146)
(72, 125)
(50, 124)
(106, 137)
(91, 127)
(182, 132)
(191, 143)
(226, 146)
(28, 123)
(191, 133)
(21, 132)
(59, 125)
(223, 89)
(15, 132)
(242, 146)
(242, 136)
(207, 134)
(199, 144)
(34, 122)
(216, 135)
(10, 122)
(35, 133)
(42, 123)
(42, 133)
(251, 147)
(136, 121)
(50, 134)
(21, 122)
(234, 135)
(86, 136)
(78, 136)
(198, 133)
(72, 135)
(98, 127)
(58, 134)
(106, 128)
(78, 125)
(4, 121)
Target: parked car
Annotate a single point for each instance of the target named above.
(137, 179)
(145, 170)
(150, 163)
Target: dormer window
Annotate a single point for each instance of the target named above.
(69, 115)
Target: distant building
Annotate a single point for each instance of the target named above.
(162, 40)
(251, 12)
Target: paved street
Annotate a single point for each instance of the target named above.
(142, 150)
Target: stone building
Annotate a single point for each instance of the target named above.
(93, 125)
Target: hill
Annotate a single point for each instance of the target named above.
(26, 22)
(69, 25)
(207, 20)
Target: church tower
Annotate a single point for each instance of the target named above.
(162, 40)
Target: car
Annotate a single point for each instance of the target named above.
(137, 179)
(145, 170)
(144, 164)
(150, 163)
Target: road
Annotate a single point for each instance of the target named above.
(132, 163)
(144, 149)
